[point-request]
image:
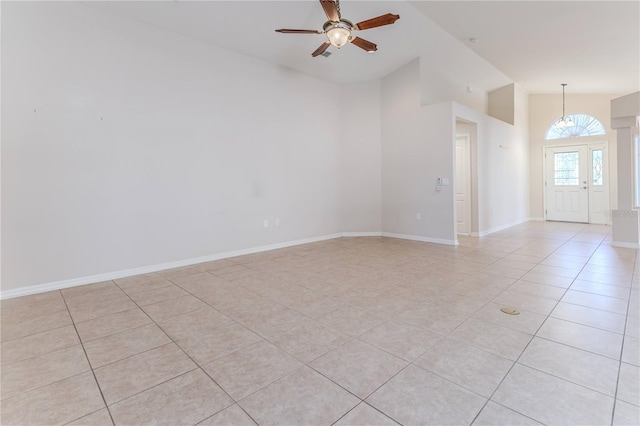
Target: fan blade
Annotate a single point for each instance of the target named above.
(331, 9)
(379, 21)
(320, 50)
(288, 31)
(364, 44)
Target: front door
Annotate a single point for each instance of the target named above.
(566, 180)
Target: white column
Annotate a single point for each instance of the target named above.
(626, 219)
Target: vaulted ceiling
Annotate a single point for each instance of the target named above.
(594, 46)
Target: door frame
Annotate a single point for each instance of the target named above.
(589, 145)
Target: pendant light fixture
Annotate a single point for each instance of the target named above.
(564, 121)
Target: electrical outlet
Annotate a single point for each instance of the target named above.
(418, 216)
(266, 223)
(277, 222)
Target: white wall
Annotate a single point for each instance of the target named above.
(418, 145)
(359, 157)
(125, 146)
(416, 148)
(502, 165)
(543, 111)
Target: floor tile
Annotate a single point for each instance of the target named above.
(33, 299)
(111, 324)
(633, 326)
(73, 292)
(501, 341)
(309, 340)
(351, 320)
(526, 302)
(596, 318)
(601, 289)
(250, 369)
(611, 304)
(418, 397)
(575, 365)
(173, 308)
(153, 283)
(547, 279)
(629, 384)
(358, 367)
(98, 418)
(193, 324)
(525, 321)
(218, 342)
(202, 283)
(402, 340)
(303, 397)
(550, 400)
(34, 323)
(231, 416)
(465, 365)
(604, 279)
(582, 337)
(32, 373)
(495, 414)
(129, 376)
(74, 297)
(57, 403)
(319, 301)
(115, 347)
(38, 344)
(631, 350)
(539, 290)
(626, 414)
(149, 297)
(363, 415)
(90, 311)
(186, 399)
(136, 279)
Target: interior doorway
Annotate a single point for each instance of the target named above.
(463, 184)
(577, 183)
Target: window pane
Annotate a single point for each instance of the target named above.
(597, 167)
(566, 168)
(583, 125)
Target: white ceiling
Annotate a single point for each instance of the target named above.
(593, 46)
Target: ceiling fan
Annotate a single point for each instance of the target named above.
(338, 30)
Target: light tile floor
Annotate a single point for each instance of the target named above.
(353, 331)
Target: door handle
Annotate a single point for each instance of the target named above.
(584, 187)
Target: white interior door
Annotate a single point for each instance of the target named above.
(567, 183)
(598, 183)
(463, 185)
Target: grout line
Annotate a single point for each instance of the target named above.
(624, 336)
(87, 358)
(537, 331)
(445, 255)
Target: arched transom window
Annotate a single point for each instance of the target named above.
(583, 125)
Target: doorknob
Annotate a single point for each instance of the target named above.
(584, 187)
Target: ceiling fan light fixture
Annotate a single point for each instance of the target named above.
(338, 33)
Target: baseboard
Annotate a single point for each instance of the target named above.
(624, 244)
(58, 285)
(362, 234)
(419, 238)
(536, 219)
(497, 229)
